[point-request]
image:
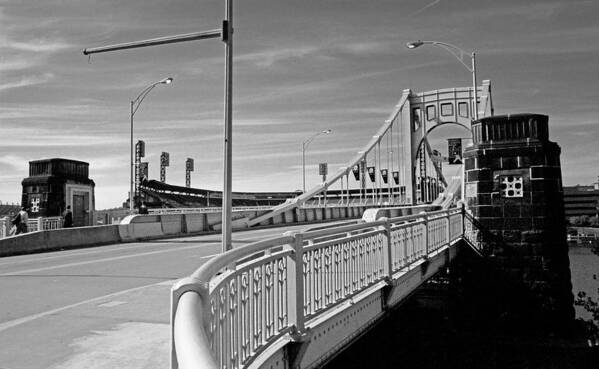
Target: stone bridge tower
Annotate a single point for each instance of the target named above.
(514, 189)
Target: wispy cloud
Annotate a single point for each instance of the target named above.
(37, 137)
(15, 162)
(8, 63)
(28, 81)
(46, 111)
(39, 45)
(267, 58)
(425, 7)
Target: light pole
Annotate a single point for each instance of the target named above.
(134, 107)
(459, 54)
(304, 146)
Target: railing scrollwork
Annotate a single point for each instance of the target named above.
(242, 301)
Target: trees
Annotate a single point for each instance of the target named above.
(592, 306)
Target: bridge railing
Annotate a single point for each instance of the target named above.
(44, 224)
(33, 224)
(240, 302)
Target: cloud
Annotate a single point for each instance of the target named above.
(39, 45)
(51, 111)
(15, 162)
(38, 137)
(425, 7)
(107, 163)
(28, 81)
(366, 48)
(16, 63)
(267, 58)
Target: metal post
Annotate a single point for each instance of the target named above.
(305, 144)
(474, 84)
(295, 278)
(226, 34)
(227, 201)
(304, 165)
(132, 190)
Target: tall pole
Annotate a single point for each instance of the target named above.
(459, 54)
(227, 201)
(474, 85)
(304, 165)
(131, 189)
(142, 95)
(226, 34)
(304, 146)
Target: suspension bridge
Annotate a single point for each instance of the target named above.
(296, 300)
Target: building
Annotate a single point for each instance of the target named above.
(54, 184)
(581, 200)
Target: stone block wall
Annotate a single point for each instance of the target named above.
(514, 188)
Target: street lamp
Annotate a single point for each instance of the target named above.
(459, 54)
(304, 146)
(134, 107)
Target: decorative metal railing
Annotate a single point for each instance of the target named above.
(240, 302)
(33, 224)
(44, 224)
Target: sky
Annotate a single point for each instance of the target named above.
(300, 66)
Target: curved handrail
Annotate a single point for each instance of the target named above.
(188, 328)
(216, 265)
(212, 302)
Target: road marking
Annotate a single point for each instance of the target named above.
(26, 319)
(96, 261)
(15, 322)
(117, 247)
(112, 304)
(179, 248)
(70, 253)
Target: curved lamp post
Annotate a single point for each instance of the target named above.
(134, 107)
(459, 54)
(304, 147)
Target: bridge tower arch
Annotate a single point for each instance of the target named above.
(424, 111)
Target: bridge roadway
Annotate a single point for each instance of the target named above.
(103, 307)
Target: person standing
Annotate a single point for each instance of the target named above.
(23, 218)
(68, 218)
(15, 220)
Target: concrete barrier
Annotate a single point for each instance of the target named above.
(56, 239)
(195, 223)
(155, 226)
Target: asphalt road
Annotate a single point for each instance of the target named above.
(102, 307)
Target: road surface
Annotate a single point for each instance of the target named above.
(102, 307)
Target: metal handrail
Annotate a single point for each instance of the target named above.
(33, 224)
(287, 280)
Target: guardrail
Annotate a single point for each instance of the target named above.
(238, 303)
(33, 224)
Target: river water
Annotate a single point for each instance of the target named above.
(450, 334)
